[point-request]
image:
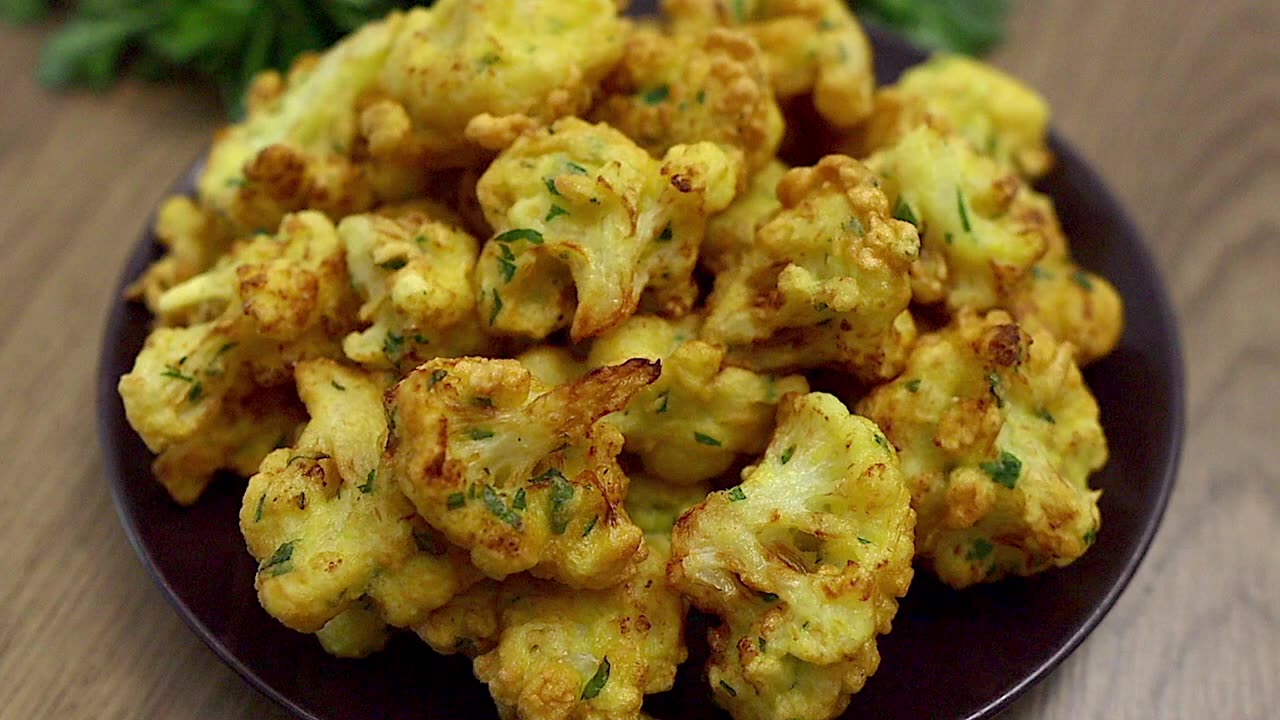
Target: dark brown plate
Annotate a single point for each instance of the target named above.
(951, 655)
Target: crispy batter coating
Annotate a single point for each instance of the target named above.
(552, 364)
(248, 427)
(193, 239)
(811, 47)
(414, 275)
(301, 145)
(1077, 306)
(587, 222)
(804, 563)
(698, 417)
(359, 631)
(732, 232)
(684, 87)
(982, 227)
(521, 475)
(825, 283)
(503, 65)
(328, 527)
(999, 116)
(998, 436)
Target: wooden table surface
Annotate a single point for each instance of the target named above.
(1176, 101)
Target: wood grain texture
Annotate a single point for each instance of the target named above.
(1176, 102)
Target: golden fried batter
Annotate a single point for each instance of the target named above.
(732, 232)
(825, 283)
(193, 238)
(688, 86)
(587, 221)
(521, 475)
(998, 436)
(803, 562)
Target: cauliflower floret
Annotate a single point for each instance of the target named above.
(301, 147)
(281, 300)
(698, 417)
(811, 47)
(981, 227)
(1077, 306)
(500, 66)
(328, 527)
(586, 218)
(825, 283)
(193, 238)
(519, 474)
(998, 115)
(247, 428)
(414, 275)
(468, 624)
(684, 87)
(998, 436)
(731, 233)
(804, 563)
(586, 655)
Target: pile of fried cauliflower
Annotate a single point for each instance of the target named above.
(512, 314)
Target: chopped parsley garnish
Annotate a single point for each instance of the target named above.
(481, 434)
(279, 562)
(1046, 416)
(993, 382)
(499, 508)
(196, 392)
(736, 494)
(197, 388)
(1091, 537)
(864, 541)
(393, 264)
(728, 688)
(665, 235)
(903, 212)
(517, 234)
(338, 386)
(497, 306)
(880, 440)
(482, 401)
(701, 97)
(665, 397)
(367, 486)
(913, 385)
(706, 439)
(507, 263)
(257, 515)
(551, 185)
(787, 454)
(436, 376)
(421, 339)
(488, 59)
(980, 550)
(455, 500)
(656, 95)
(561, 493)
(1081, 278)
(769, 597)
(590, 526)
(964, 212)
(950, 238)
(1005, 470)
(393, 346)
(428, 543)
(760, 642)
(521, 501)
(555, 212)
(1040, 273)
(597, 681)
(575, 168)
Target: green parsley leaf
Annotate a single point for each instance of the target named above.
(904, 213)
(787, 455)
(706, 439)
(980, 550)
(393, 346)
(517, 234)
(1081, 278)
(666, 235)
(436, 376)
(428, 543)
(279, 562)
(555, 212)
(455, 500)
(497, 306)
(499, 508)
(367, 486)
(656, 95)
(597, 681)
(736, 494)
(561, 493)
(338, 386)
(728, 688)
(964, 213)
(590, 526)
(551, 186)
(393, 264)
(521, 500)
(769, 597)
(1046, 416)
(257, 515)
(481, 434)
(1005, 470)
(913, 385)
(864, 541)
(1040, 273)
(665, 397)
(965, 26)
(575, 168)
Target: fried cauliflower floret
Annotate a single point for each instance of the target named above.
(552, 364)
(518, 473)
(1077, 306)
(278, 300)
(193, 239)
(684, 87)
(356, 632)
(586, 655)
(301, 146)
(998, 436)
(499, 66)
(803, 562)
(998, 115)
(825, 283)
(731, 233)
(328, 527)
(811, 47)
(981, 226)
(699, 416)
(248, 427)
(587, 221)
(414, 275)
(468, 624)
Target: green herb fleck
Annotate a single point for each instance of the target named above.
(421, 339)
(1081, 278)
(864, 541)
(456, 500)
(736, 494)
(507, 263)
(950, 238)
(517, 234)
(760, 642)
(555, 212)
(1046, 416)
(428, 543)
(1005, 470)
(665, 396)
(393, 346)
(993, 382)
(702, 97)
(482, 401)
(665, 235)
(913, 385)
(367, 487)
(597, 681)
(880, 440)
(338, 386)
(196, 392)
(551, 186)
(279, 562)
(561, 493)
(728, 688)
(393, 264)
(521, 501)
(499, 508)
(1091, 537)
(436, 376)
(262, 501)
(769, 597)
(656, 95)
(1040, 273)
(787, 454)
(590, 526)
(904, 213)
(964, 212)
(706, 439)
(980, 550)
(489, 58)
(576, 168)
(481, 434)
(497, 306)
